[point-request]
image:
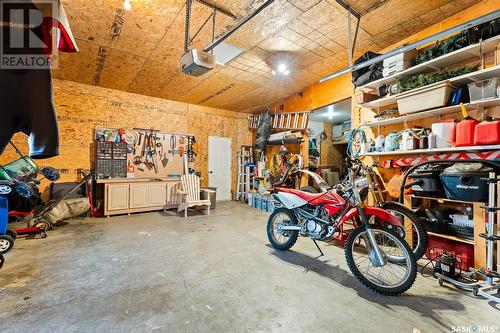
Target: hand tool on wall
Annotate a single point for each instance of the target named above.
(140, 138)
(173, 144)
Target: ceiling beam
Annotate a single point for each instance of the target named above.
(215, 7)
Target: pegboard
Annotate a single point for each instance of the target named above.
(150, 153)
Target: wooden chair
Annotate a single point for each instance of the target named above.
(191, 194)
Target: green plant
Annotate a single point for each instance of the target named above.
(420, 80)
(443, 47)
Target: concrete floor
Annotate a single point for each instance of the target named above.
(151, 272)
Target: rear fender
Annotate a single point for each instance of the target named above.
(384, 216)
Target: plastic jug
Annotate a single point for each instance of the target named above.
(487, 132)
(465, 129)
(444, 133)
(391, 142)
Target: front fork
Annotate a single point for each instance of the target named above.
(371, 242)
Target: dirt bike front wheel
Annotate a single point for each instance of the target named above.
(395, 274)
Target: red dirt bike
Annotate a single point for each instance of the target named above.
(375, 250)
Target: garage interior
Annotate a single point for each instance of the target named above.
(164, 162)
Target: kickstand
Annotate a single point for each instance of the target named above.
(322, 254)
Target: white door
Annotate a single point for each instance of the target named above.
(219, 166)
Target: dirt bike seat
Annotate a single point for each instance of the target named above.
(304, 195)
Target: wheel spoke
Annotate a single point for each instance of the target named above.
(394, 272)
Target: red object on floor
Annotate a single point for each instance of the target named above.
(487, 133)
(463, 252)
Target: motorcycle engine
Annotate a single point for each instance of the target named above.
(314, 229)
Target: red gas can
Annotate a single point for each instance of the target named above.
(487, 132)
(465, 132)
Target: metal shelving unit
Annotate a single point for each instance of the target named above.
(433, 150)
(459, 80)
(432, 113)
(437, 63)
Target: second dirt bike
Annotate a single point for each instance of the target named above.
(376, 253)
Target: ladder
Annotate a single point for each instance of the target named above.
(245, 173)
(285, 121)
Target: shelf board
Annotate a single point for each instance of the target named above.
(454, 238)
(432, 113)
(441, 62)
(433, 150)
(458, 80)
(441, 200)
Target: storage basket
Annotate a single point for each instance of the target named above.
(484, 89)
(425, 98)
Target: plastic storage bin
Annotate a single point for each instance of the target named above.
(399, 62)
(425, 98)
(484, 89)
(466, 182)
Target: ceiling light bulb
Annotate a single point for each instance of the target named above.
(286, 72)
(282, 68)
(127, 5)
(274, 73)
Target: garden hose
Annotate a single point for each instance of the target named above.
(356, 142)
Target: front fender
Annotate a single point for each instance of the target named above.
(383, 215)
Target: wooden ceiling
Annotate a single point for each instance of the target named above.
(139, 51)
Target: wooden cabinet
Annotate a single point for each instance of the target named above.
(125, 196)
(139, 195)
(157, 194)
(118, 196)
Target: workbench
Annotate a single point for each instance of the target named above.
(134, 195)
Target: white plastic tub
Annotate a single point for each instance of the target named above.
(429, 97)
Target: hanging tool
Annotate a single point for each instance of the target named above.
(173, 144)
(140, 139)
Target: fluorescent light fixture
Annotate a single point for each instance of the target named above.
(225, 52)
(127, 5)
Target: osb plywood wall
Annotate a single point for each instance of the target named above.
(80, 108)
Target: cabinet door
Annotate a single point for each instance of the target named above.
(173, 198)
(157, 194)
(117, 196)
(139, 195)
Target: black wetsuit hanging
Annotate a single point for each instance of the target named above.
(26, 103)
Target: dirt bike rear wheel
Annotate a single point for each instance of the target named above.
(400, 265)
(282, 240)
